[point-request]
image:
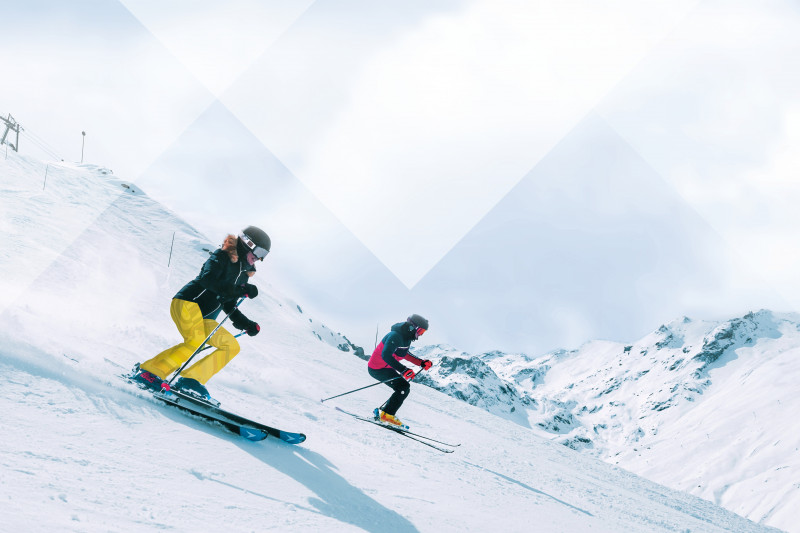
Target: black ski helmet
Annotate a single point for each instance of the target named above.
(418, 321)
(256, 240)
(417, 325)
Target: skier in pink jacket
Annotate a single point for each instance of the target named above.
(385, 365)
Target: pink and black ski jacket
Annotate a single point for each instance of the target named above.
(392, 348)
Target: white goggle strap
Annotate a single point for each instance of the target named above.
(258, 251)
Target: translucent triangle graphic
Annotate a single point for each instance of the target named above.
(411, 142)
(217, 41)
(36, 234)
(720, 128)
(592, 243)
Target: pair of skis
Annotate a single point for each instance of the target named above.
(427, 441)
(210, 412)
(245, 427)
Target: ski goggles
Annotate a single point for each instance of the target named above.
(258, 251)
(420, 331)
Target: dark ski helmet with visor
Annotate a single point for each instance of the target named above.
(419, 325)
(256, 240)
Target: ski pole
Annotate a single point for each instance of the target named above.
(362, 388)
(209, 346)
(200, 348)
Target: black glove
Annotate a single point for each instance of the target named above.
(252, 328)
(249, 290)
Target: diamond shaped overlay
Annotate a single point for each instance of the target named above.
(410, 141)
(215, 40)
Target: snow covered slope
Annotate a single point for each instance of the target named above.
(704, 407)
(87, 277)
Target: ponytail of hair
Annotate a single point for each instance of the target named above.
(229, 246)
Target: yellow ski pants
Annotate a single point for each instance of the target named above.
(194, 329)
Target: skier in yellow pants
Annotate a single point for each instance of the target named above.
(221, 282)
(194, 328)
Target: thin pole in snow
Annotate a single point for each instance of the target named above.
(170, 249)
(45, 176)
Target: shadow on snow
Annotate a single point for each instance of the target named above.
(336, 497)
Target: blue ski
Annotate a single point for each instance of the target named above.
(240, 425)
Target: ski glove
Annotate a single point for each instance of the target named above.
(426, 364)
(252, 328)
(408, 375)
(249, 290)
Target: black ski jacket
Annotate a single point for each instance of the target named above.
(215, 288)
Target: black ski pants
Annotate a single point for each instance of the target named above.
(399, 385)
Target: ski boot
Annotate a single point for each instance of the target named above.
(195, 389)
(386, 418)
(147, 380)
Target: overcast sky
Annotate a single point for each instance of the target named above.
(529, 175)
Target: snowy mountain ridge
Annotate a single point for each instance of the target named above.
(629, 404)
(474, 380)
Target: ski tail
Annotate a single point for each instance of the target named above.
(420, 439)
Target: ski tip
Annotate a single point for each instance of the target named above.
(292, 438)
